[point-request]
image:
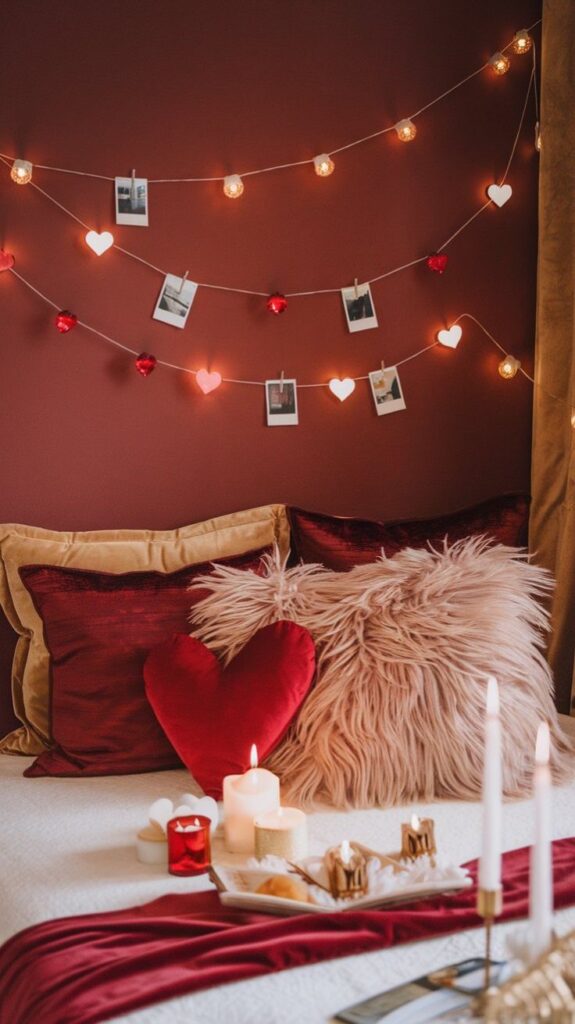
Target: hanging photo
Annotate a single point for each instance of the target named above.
(359, 308)
(132, 201)
(175, 300)
(281, 403)
(386, 390)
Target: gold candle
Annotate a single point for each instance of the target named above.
(347, 871)
(418, 838)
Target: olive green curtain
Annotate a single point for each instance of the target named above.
(552, 527)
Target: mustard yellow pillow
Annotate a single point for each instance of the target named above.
(110, 551)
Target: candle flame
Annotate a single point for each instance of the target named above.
(254, 756)
(415, 822)
(345, 851)
(492, 699)
(196, 822)
(542, 746)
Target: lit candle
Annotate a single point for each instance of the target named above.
(418, 838)
(541, 881)
(282, 833)
(490, 865)
(189, 850)
(346, 870)
(246, 797)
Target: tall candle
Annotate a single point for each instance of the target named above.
(490, 864)
(246, 797)
(541, 880)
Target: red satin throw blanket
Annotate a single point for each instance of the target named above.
(85, 969)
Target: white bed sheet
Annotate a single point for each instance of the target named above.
(67, 847)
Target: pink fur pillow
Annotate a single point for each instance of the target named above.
(405, 646)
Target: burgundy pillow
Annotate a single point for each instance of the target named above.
(340, 543)
(99, 628)
(213, 715)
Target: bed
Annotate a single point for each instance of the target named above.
(68, 847)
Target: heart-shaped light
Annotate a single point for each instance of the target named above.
(451, 337)
(99, 242)
(145, 363)
(499, 194)
(66, 321)
(6, 260)
(437, 261)
(342, 389)
(208, 381)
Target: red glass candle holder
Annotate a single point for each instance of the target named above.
(189, 850)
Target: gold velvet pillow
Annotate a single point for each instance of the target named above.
(108, 551)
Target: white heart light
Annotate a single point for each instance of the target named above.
(205, 805)
(499, 194)
(342, 389)
(208, 381)
(450, 338)
(99, 242)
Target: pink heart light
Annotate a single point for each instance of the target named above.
(208, 381)
(6, 260)
(342, 389)
(99, 242)
(451, 337)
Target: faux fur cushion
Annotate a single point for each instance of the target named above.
(405, 646)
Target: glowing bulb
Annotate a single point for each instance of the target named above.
(253, 756)
(406, 130)
(508, 367)
(537, 137)
(323, 165)
(522, 41)
(21, 172)
(233, 186)
(500, 63)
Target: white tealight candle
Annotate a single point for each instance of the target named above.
(490, 865)
(246, 797)
(541, 880)
(282, 833)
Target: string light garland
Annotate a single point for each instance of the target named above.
(509, 367)
(437, 262)
(145, 363)
(522, 42)
(406, 130)
(66, 321)
(21, 172)
(277, 303)
(323, 165)
(500, 63)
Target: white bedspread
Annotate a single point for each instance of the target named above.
(67, 847)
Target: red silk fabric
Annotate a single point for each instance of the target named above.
(82, 970)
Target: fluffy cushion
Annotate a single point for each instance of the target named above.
(212, 716)
(109, 551)
(405, 646)
(340, 543)
(99, 628)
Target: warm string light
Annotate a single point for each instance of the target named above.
(509, 367)
(276, 303)
(21, 172)
(406, 130)
(522, 41)
(323, 165)
(500, 63)
(233, 186)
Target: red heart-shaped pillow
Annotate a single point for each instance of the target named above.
(212, 715)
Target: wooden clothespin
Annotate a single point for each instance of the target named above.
(183, 281)
(382, 368)
(355, 288)
(281, 383)
(133, 188)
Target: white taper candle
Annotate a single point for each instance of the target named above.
(490, 864)
(541, 880)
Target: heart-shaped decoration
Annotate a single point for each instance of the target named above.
(212, 715)
(66, 321)
(342, 389)
(145, 363)
(208, 381)
(437, 261)
(205, 805)
(99, 242)
(451, 337)
(6, 260)
(499, 194)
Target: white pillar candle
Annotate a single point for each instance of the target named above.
(490, 864)
(541, 880)
(246, 797)
(282, 833)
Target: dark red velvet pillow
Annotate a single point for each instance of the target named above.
(99, 628)
(213, 714)
(340, 543)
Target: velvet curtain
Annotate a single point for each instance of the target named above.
(552, 527)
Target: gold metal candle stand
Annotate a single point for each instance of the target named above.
(347, 872)
(489, 906)
(418, 839)
(545, 991)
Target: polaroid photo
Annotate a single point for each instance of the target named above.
(386, 390)
(132, 201)
(281, 403)
(175, 300)
(359, 308)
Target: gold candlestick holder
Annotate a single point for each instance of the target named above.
(489, 906)
(346, 871)
(545, 991)
(418, 839)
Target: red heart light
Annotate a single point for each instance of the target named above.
(65, 321)
(6, 260)
(437, 261)
(276, 303)
(145, 363)
(212, 715)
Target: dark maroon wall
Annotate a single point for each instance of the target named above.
(210, 88)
